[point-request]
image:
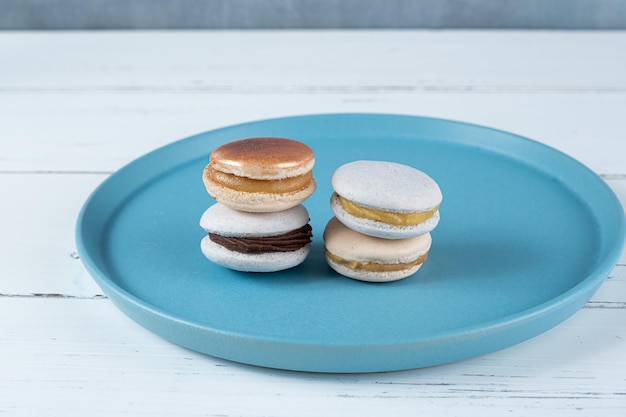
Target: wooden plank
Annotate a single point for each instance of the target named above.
(89, 347)
(37, 227)
(303, 61)
(101, 90)
(100, 132)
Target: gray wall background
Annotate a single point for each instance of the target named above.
(310, 14)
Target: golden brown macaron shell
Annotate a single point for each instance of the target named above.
(260, 174)
(263, 158)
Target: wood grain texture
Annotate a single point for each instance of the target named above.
(105, 364)
(100, 91)
(75, 107)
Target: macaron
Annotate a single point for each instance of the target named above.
(374, 259)
(260, 174)
(385, 199)
(256, 242)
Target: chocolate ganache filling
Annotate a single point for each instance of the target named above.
(287, 242)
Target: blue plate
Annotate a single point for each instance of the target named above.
(527, 235)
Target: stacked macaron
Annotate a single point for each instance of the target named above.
(384, 213)
(258, 223)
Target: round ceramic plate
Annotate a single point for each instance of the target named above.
(526, 236)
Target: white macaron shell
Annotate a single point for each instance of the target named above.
(386, 186)
(222, 220)
(263, 262)
(380, 229)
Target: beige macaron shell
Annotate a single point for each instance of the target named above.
(257, 202)
(371, 276)
(386, 186)
(350, 245)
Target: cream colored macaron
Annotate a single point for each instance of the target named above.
(260, 174)
(373, 259)
(385, 199)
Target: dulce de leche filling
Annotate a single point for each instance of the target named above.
(397, 219)
(375, 266)
(287, 242)
(250, 185)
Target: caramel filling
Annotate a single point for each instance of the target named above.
(287, 242)
(397, 219)
(250, 185)
(375, 266)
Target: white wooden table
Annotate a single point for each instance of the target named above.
(76, 106)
